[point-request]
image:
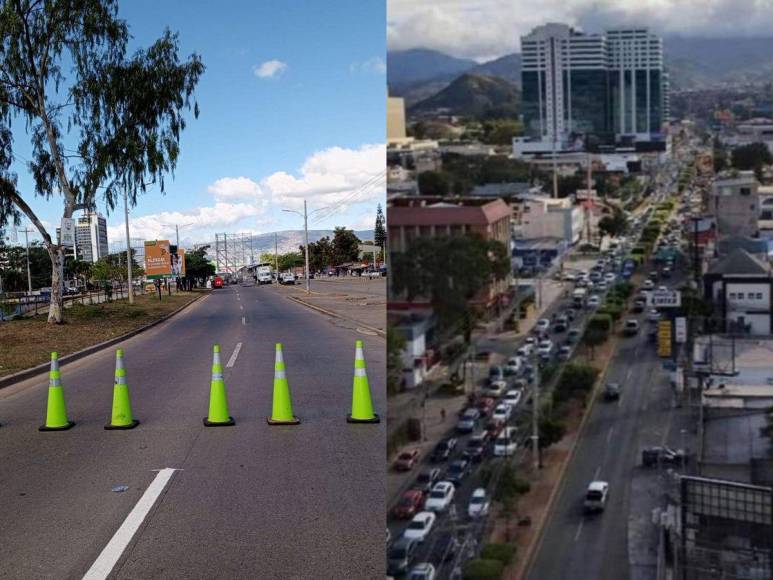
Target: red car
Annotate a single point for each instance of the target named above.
(218, 282)
(486, 406)
(409, 505)
(406, 460)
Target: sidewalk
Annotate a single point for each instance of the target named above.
(355, 301)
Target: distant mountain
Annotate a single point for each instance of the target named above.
(474, 95)
(406, 68)
(507, 67)
(287, 241)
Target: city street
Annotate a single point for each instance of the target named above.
(247, 501)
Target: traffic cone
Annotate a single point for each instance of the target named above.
(362, 406)
(218, 400)
(56, 411)
(122, 408)
(282, 410)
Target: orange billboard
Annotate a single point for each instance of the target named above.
(158, 259)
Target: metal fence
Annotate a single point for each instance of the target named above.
(14, 305)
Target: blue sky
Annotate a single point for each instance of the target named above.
(292, 107)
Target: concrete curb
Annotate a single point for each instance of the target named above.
(378, 331)
(536, 542)
(41, 368)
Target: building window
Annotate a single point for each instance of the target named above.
(759, 295)
(740, 295)
(746, 191)
(732, 296)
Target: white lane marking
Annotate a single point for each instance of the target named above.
(596, 475)
(232, 361)
(609, 435)
(243, 320)
(628, 374)
(579, 529)
(109, 557)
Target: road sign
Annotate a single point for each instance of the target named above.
(664, 299)
(664, 338)
(67, 232)
(680, 331)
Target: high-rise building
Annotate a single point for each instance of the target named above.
(91, 237)
(636, 81)
(606, 85)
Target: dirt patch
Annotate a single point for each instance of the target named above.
(28, 342)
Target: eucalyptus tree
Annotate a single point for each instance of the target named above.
(102, 123)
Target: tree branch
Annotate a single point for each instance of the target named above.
(22, 205)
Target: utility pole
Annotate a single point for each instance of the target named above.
(177, 231)
(276, 257)
(306, 243)
(555, 168)
(128, 246)
(535, 416)
(29, 273)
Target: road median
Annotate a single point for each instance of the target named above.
(28, 343)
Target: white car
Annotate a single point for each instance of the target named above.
(610, 277)
(441, 496)
(648, 285)
(513, 365)
(596, 496)
(512, 398)
(479, 504)
(505, 443)
(569, 277)
(601, 287)
(545, 348)
(287, 278)
(543, 325)
(496, 388)
(594, 302)
(653, 315)
(502, 413)
(525, 350)
(422, 571)
(420, 526)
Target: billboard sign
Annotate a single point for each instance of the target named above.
(158, 259)
(178, 264)
(664, 338)
(664, 299)
(680, 331)
(67, 232)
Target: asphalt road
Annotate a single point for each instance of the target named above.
(249, 501)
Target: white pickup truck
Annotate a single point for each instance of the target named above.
(264, 274)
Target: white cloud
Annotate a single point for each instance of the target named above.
(335, 179)
(489, 28)
(375, 65)
(270, 69)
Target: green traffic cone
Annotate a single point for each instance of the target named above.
(362, 405)
(282, 407)
(218, 400)
(122, 417)
(56, 410)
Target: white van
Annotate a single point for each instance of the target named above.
(505, 443)
(596, 496)
(264, 274)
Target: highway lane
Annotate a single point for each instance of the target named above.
(250, 500)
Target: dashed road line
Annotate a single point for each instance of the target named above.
(609, 435)
(109, 557)
(232, 361)
(579, 529)
(596, 475)
(244, 321)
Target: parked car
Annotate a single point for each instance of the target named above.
(485, 406)
(496, 388)
(479, 504)
(468, 421)
(420, 526)
(410, 504)
(653, 315)
(494, 428)
(512, 398)
(287, 278)
(400, 555)
(542, 326)
(502, 413)
(525, 350)
(407, 460)
(457, 470)
(609, 277)
(441, 496)
(594, 302)
(496, 373)
(514, 365)
(573, 336)
(427, 479)
(596, 496)
(443, 450)
(545, 349)
(639, 305)
(565, 353)
(648, 284)
(664, 455)
(561, 324)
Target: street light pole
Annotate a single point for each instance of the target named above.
(128, 247)
(29, 272)
(306, 243)
(535, 416)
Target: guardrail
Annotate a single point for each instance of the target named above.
(36, 304)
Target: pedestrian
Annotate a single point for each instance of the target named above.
(442, 415)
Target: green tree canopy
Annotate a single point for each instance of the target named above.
(434, 183)
(752, 156)
(379, 230)
(100, 122)
(345, 246)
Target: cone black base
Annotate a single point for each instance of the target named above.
(375, 419)
(293, 421)
(69, 425)
(230, 422)
(131, 425)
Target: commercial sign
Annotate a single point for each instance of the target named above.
(67, 232)
(664, 338)
(680, 331)
(664, 299)
(163, 260)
